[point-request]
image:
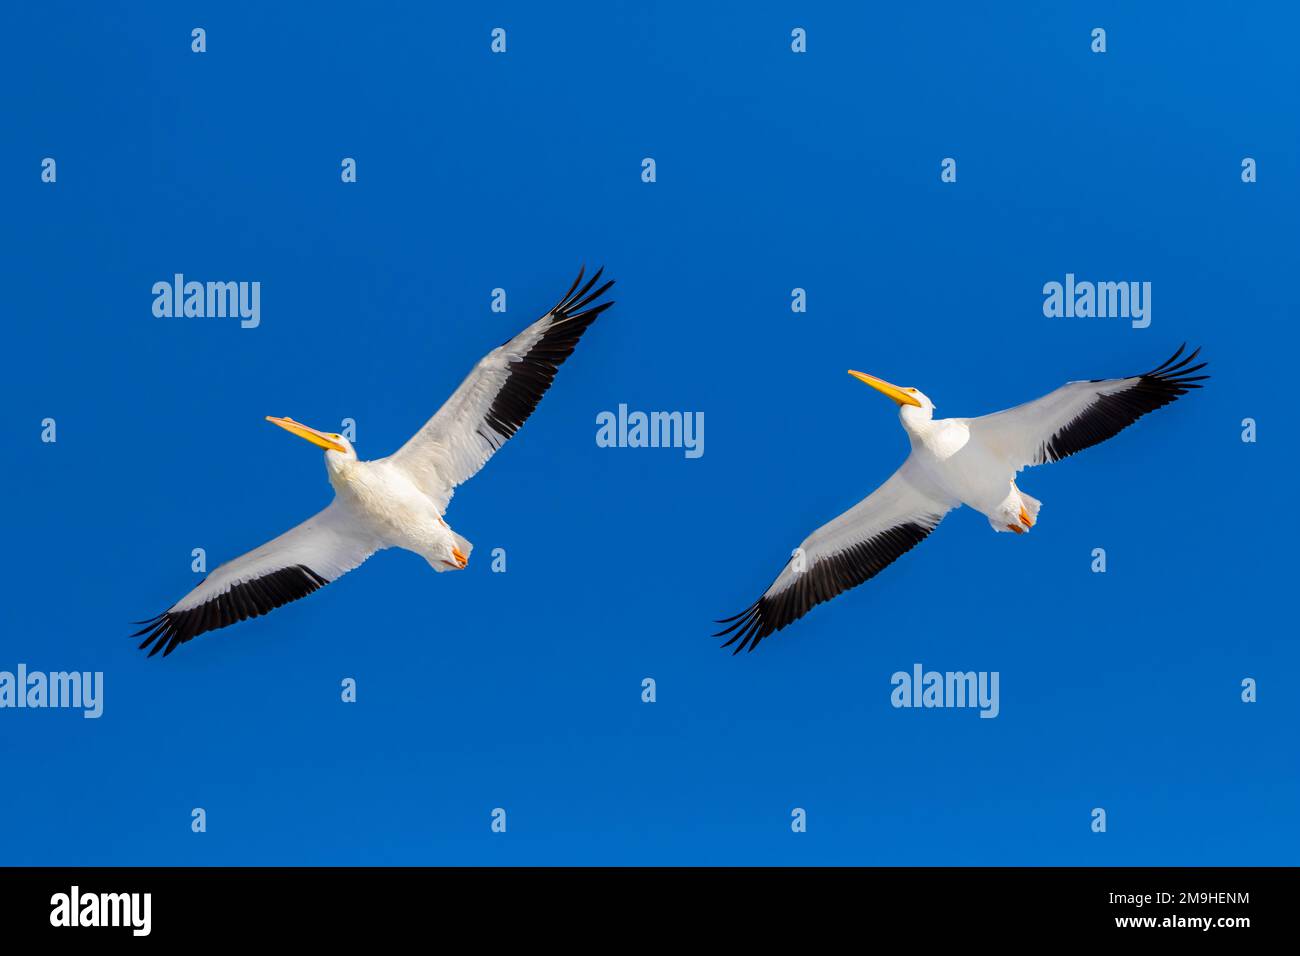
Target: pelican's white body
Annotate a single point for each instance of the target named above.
(951, 463)
(383, 497)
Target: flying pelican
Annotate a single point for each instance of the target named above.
(954, 461)
(398, 501)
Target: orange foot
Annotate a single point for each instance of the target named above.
(459, 561)
(1016, 528)
(1025, 520)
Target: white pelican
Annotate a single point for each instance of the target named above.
(398, 501)
(954, 461)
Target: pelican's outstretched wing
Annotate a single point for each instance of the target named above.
(1082, 414)
(497, 397)
(853, 548)
(303, 559)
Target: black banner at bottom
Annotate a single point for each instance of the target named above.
(335, 904)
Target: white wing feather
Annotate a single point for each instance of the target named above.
(495, 399)
(332, 542)
(844, 553)
(1020, 435)
(1082, 414)
(298, 562)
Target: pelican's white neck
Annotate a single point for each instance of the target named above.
(339, 466)
(915, 418)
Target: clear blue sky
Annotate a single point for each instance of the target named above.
(775, 170)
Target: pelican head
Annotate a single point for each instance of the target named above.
(334, 444)
(913, 404)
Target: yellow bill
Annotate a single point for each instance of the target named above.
(880, 385)
(302, 431)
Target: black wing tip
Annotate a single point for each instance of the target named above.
(575, 300)
(749, 629)
(148, 625)
(826, 578)
(530, 378)
(1178, 375)
(160, 634)
(737, 621)
(252, 598)
(1112, 413)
